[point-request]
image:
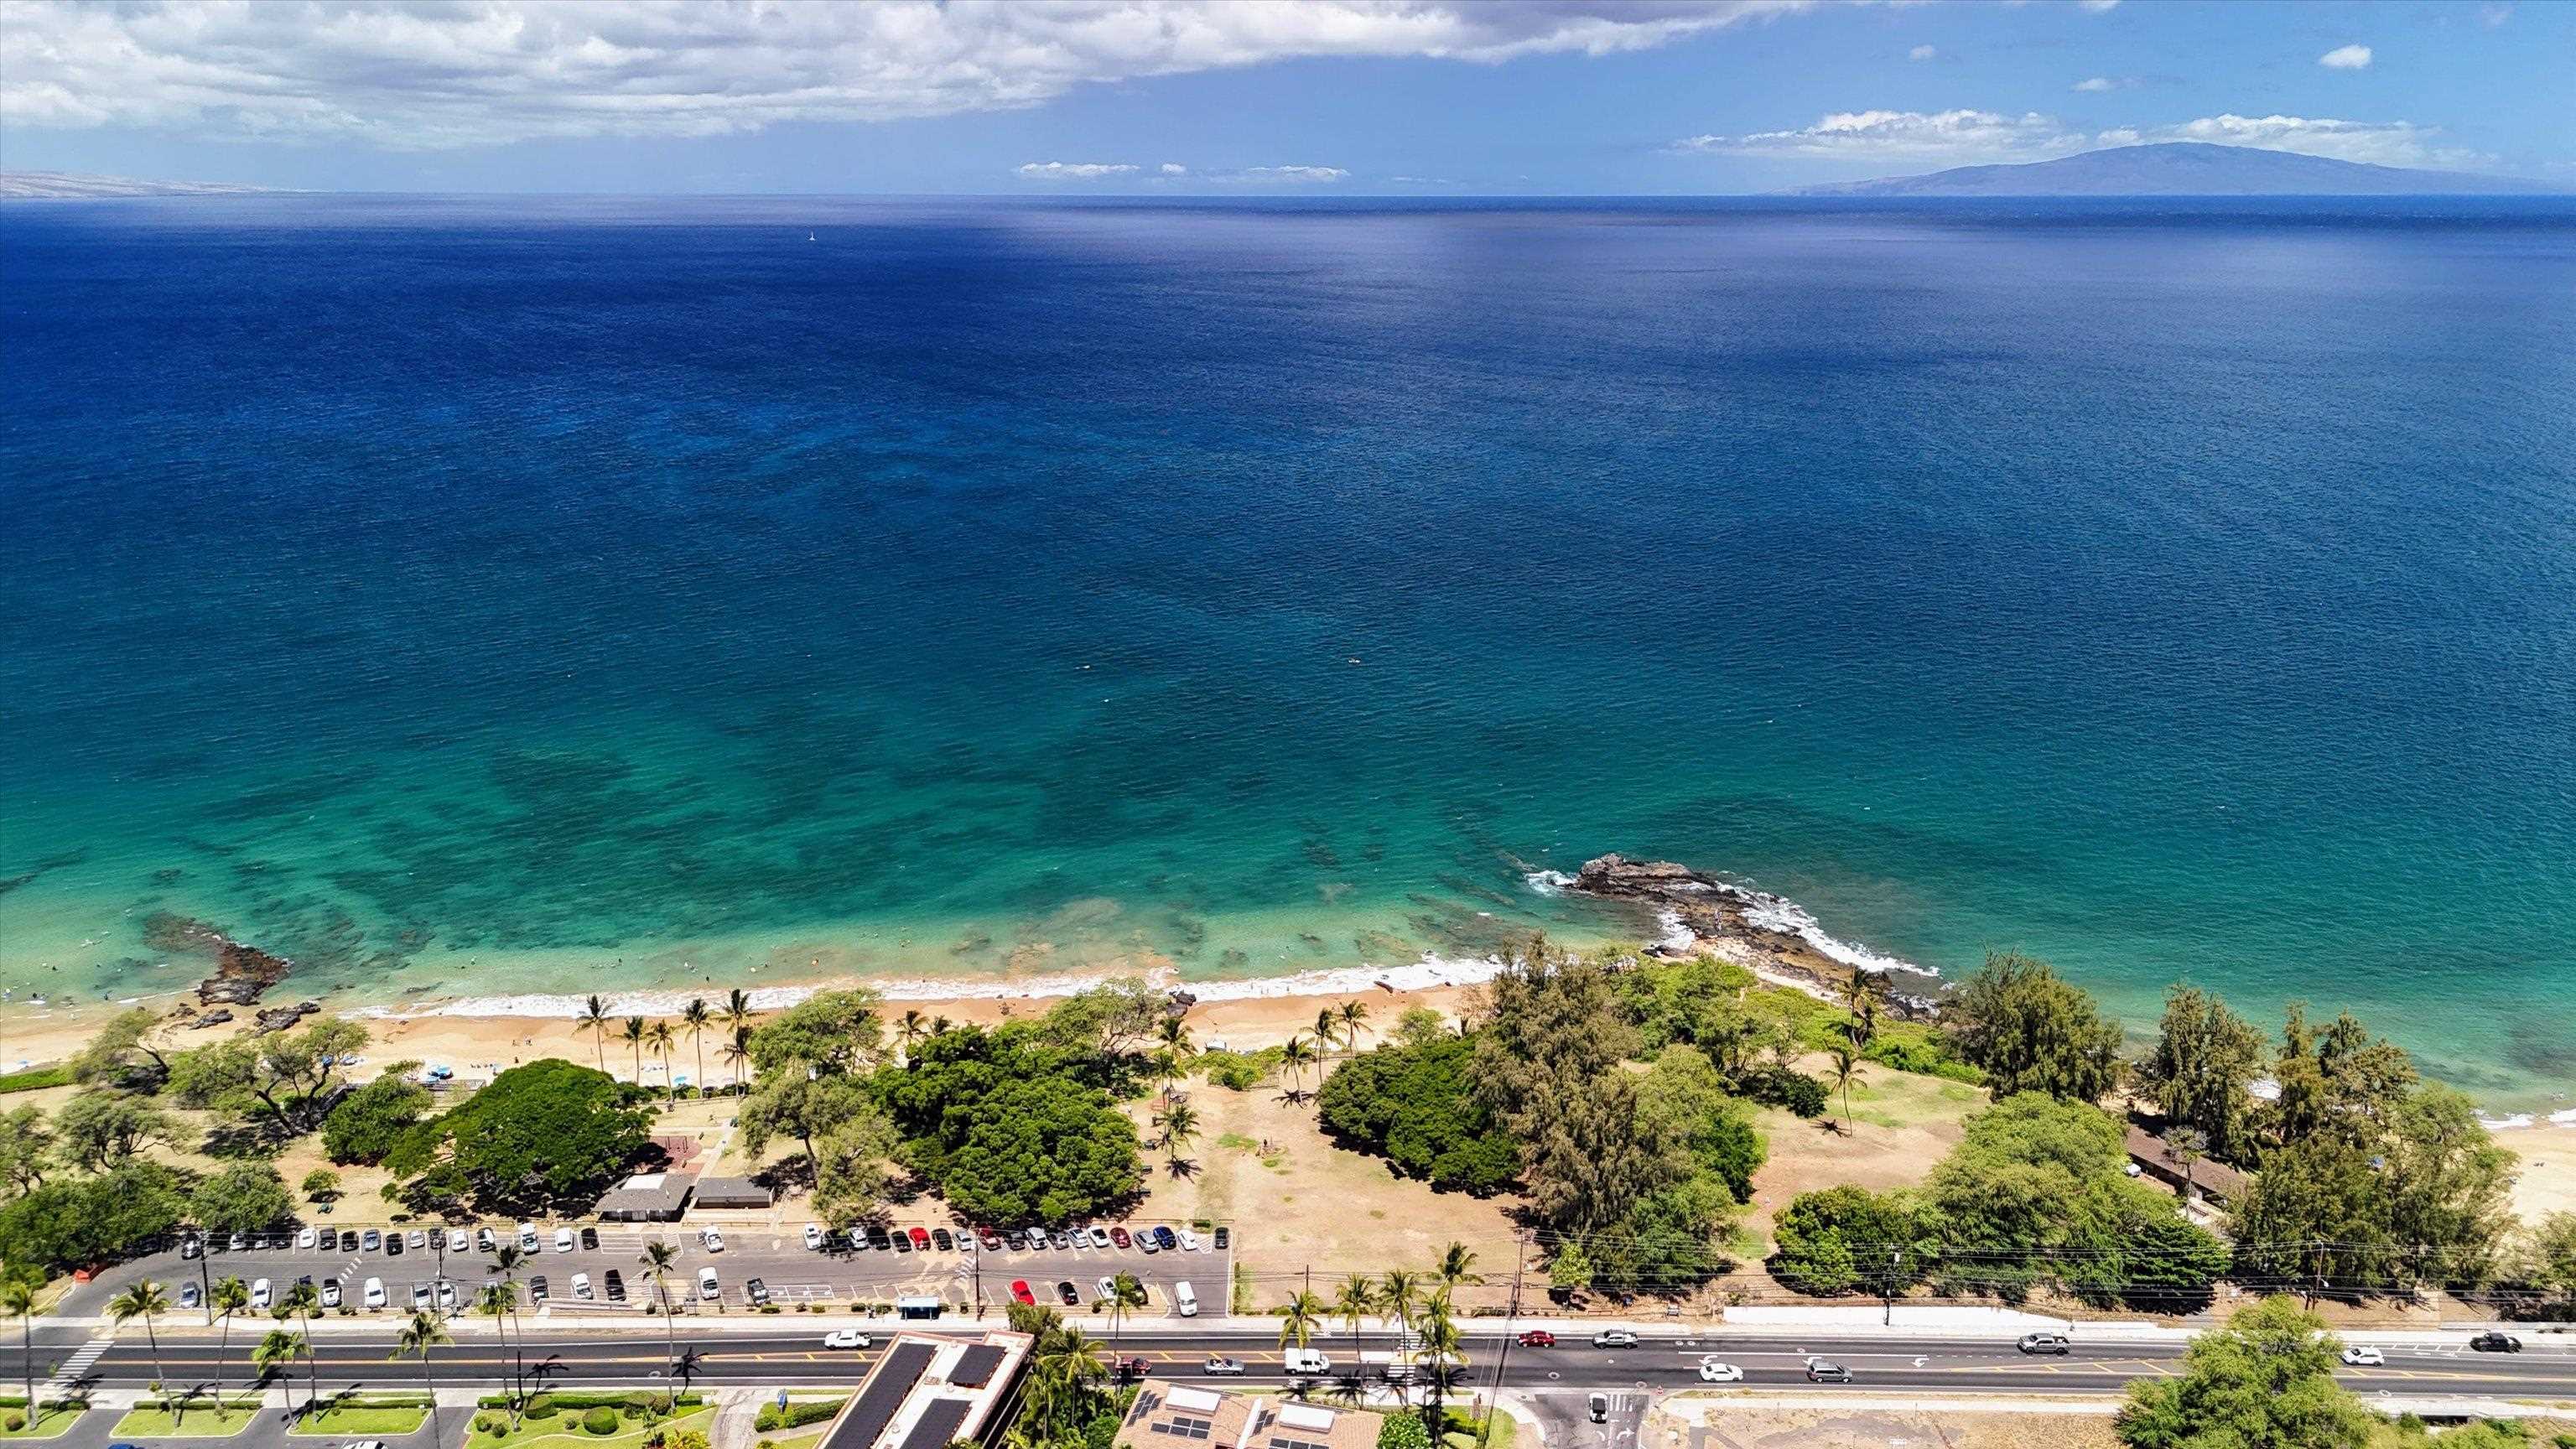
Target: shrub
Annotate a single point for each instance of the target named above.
(601, 1420)
(1403, 1431)
(1781, 1087)
(14, 1422)
(798, 1414)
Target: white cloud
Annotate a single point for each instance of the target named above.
(1172, 168)
(1970, 137)
(2346, 57)
(2492, 16)
(2099, 6)
(1072, 170)
(2103, 83)
(420, 76)
(1300, 175)
(1923, 52)
(1951, 136)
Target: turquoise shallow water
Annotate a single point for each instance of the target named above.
(477, 598)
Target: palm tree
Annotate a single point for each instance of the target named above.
(276, 1347)
(1457, 1266)
(1352, 1304)
(231, 1296)
(146, 1301)
(1846, 1071)
(1399, 1293)
(18, 1300)
(1294, 1054)
(632, 1034)
(912, 1028)
(1300, 1317)
(303, 1301)
(659, 1037)
(1328, 1025)
(1126, 1295)
(419, 1336)
(1180, 1124)
(697, 1018)
(1439, 1348)
(1863, 992)
(657, 1260)
(1352, 1012)
(500, 1303)
(736, 1053)
(594, 1019)
(507, 1259)
(1068, 1363)
(737, 1010)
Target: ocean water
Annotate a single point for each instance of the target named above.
(479, 596)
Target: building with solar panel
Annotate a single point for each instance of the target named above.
(1166, 1415)
(928, 1391)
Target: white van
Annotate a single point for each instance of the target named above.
(1187, 1298)
(1308, 1361)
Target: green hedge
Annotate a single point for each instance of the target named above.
(796, 1415)
(34, 1078)
(602, 1421)
(551, 1401)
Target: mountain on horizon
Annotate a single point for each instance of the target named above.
(74, 186)
(2183, 168)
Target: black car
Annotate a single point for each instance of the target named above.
(1065, 1290)
(1223, 1237)
(879, 1240)
(590, 1240)
(2496, 1343)
(940, 1239)
(393, 1245)
(615, 1283)
(1167, 1240)
(348, 1240)
(757, 1291)
(537, 1288)
(902, 1242)
(2055, 1343)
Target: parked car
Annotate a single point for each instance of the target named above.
(711, 1239)
(756, 1290)
(393, 1245)
(848, 1338)
(261, 1295)
(370, 1240)
(564, 1240)
(813, 1237)
(2055, 1343)
(1108, 1289)
(527, 1237)
(484, 1242)
(1061, 1239)
(858, 1240)
(991, 1240)
(1614, 1338)
(235, 1242)
(1071, 1295)
(304, 1239)
(191, 1246)
(1189, 1241)
(581, 1286)
(418, 1240)
(709, 1287)
(330, 1292)
(537, 1288)
(1713, 1372)
(1118, 1236)
(457, 1242)
(1823, 1371)
(1165, 1239)
(1021, 1295)
(1145, 1240)
(1538, 1338)
(420, 1298)
(940, 1239)
(1186, 1299)
(2496, 1343)
(879, 1239)
(2362, 1355)
(188, 1296)
(1222, 1366)
(900, 1240)
(590, 1240)
(921, 1240)
(373, 1295)
(1597, 1407)
(1099, 1235)
(348, 1240)
(447, 1295)
(1223, 1236)
(615, 1283)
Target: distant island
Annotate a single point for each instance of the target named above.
(73, 186)
(2183, 168)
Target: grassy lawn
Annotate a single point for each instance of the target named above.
(377, 1420)
(564, 1431)
(804, 1438)
(1504, 1424)
(202, 1420)
(58, 1421)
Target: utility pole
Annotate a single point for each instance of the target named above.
(1502, 1355)
(1887, 1288)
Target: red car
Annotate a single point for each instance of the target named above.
(921, 1240)
(1538, 1338)
(991, 1240)
(1020, 1292)
(1118, 1236)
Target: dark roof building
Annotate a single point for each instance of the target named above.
(2160, 1159)
(652, 1197)
(930, 1390)
(732, 1192)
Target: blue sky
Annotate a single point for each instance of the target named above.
(1082, 97)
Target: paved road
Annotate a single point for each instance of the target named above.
(776, 1256)
(795, 1355)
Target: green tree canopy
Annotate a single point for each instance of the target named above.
(2032, 1031)
(284, 1078)
(2202, 1071)
(1410, 1102)
(1044, 1149)
(543, 1137)
(2265, 1381)
(85, 1221)
(369, 1121)
(243, 1197)
(828, 1032)
(120, 1053)
(101, 1129)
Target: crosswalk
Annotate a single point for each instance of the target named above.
(77, 1367)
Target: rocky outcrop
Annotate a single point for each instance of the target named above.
(1767, 932)
(279, 1018)
(241, 972)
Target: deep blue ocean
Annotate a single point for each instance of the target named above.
(479, 596)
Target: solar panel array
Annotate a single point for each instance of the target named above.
(883, 1397)
(938, 1424)
(975, 1366)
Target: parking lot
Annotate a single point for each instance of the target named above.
(601, 1269)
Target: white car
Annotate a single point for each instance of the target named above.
(563, 1240)
(447, 1295)
(1713, 1372)
(708, 1287)
(813, 1237)
(259, 1294)
(713, 1240)
(1222, 1366)
(2362, 1355)
(1099, 1236)
(484, 1242)
(847, 1338)
(527, 1237)
(417, 1239)
(858, 1240)
(1189, 1241)
(581, 1285)
(304, 1238)
(1108, 1289)
(330, 1292)
(457, 1242)
(374, 1297)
